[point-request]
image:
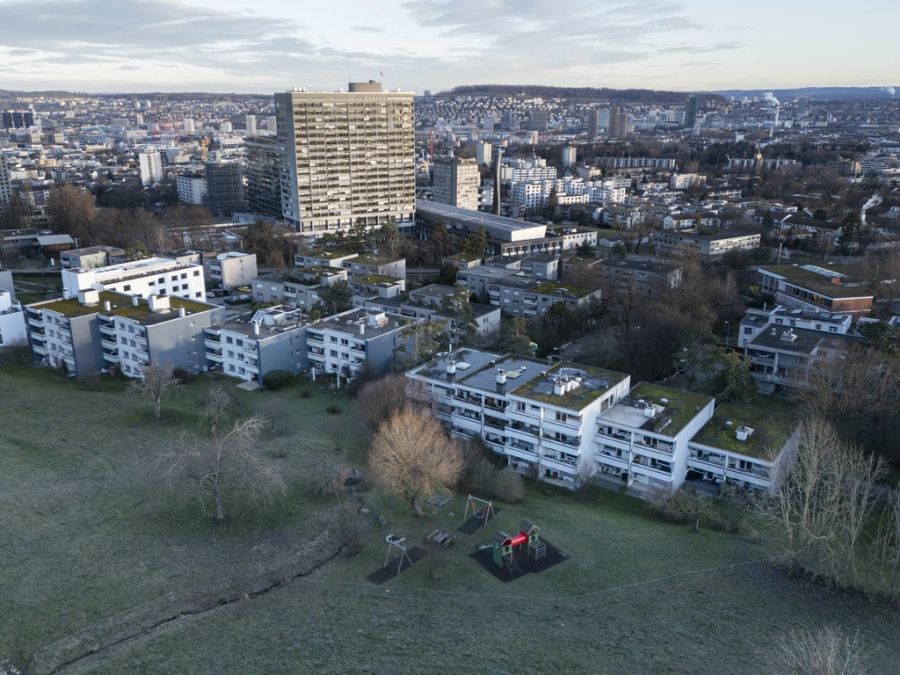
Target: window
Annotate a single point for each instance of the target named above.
(126, 288)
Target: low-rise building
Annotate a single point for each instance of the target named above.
(298, 287)
(89, 257)
(640, 275)
(705, 245)
(643, 439)
(780, 358)
(743, 446)
(832, 289)
(230, 269)
(756, 321)
(323, 258)
(355, 342)
(540, 418)
(150, 276)
(12, 321)
(368, 265)
(272, 338)
(543, 266)
(527, 297)
(104, 329)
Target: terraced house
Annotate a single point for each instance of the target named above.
(542, 418)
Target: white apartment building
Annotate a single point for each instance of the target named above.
(541, 418)
(191, 189)
(347, 157)
(230, 269)
(274, 338)
(12, 321)
(743, 446)
(643, 439)
(5, 188)
(355, 342)
(757, 321)
(483, 152)
(150, 276)
(151, 167)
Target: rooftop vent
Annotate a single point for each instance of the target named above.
(742, 433)
(89, 297)
(789, 336)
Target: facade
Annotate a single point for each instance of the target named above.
(274, 338)
(224, 188)
(541, 419)
(518, 295)
(705, 245)
(263, 176)
(456, 182)
(831, 289)
(743, 446)
(323, 258)
(89, 257)
(151, 167)
(296, 288)
(150, 276)
(355, 342)
(103, 329)
(568, 155)
(780, 358)
(483, 152)
(618, 122)
(12, 321)
(690, 112)
(230, 269)
(191, 189)
(643, 439)
(544, 266)
(346, 158)
(368, 265)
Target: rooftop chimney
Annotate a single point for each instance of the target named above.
(451, 369)
(107, 306)
(182, 311)
(255, 327)
(135, 300)
(89, 297)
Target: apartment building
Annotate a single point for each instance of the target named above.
(13, 330)
(640, 276)
(346, 158)
(744, 447)
(298, 287)
(89, 257)
(151, 169)
(263, 171)
(273, 338)
(384, 266)
(709, 246)
(780, 358)
(323, 258)
(456, 182)
(832, 289)
(103, 329)
(524, 296)
(150, 276)
(643, 439)
(355, 342)
(191, 188)
(375, 286)
(544, 266)
(224, 188)
(756, 321)
(230, 269)
(541, 418)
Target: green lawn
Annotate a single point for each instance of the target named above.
(87, 535)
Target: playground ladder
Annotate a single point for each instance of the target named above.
(510, 560)
(540, 550)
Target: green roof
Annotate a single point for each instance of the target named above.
(327, 254)
(550, 288)
(681, 406)
(371, 259)
(121, 305)
(579, 397)
(771, 431)
(376, 279)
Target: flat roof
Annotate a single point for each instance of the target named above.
(805, 341)
(121, 305)
(673, 409)
(501, 227)
(349, 322)
(554, 288)
(592, 384)
(771, 431)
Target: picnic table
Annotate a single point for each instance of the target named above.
(442, 538)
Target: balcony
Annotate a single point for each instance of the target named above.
(35, 321)
(109, 344)
(107, 328)
(38, 348)
(494, 422)
(112, 357)
(213, 344)
(215, 357)
(521, 451)
(611, 460)
(756, 471)
(710, 461)
(651, 472)
(565, 465)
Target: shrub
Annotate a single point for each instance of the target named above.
(333, 409)
(182, 375)
(508, 486)
(277, 379)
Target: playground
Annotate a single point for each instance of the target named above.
(507, 556)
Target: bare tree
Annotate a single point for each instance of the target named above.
(824, 652)
(157, 381)
(230, 459)
(887, 540)
(413, 458)
(825, 501)
(380, 399)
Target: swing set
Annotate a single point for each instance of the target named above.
(482, 509)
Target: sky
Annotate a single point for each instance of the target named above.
(262, 47)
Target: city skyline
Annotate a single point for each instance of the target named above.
(201, 45)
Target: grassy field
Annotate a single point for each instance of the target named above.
(87, 534)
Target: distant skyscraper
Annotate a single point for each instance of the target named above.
(263, 176)
(539, 120)
(690, 112)
(568, 155)
(224, 188)
(251, 125)
(510, 122)
(347, 157)
(456, 182)
(593, 123)
(271, 125)
(5, 188)
(618, 122)
(483, 152)
(18, 119)
(151, 167)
